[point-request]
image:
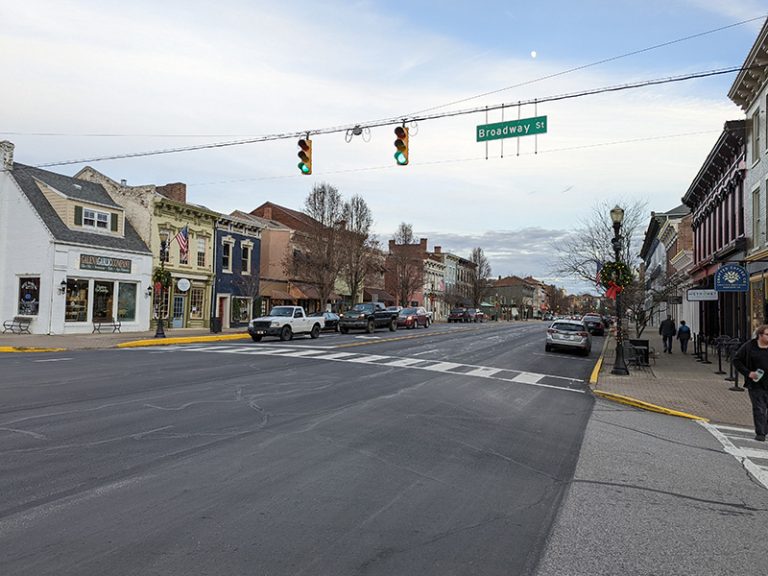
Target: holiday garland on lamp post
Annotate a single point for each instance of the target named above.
(615, 277)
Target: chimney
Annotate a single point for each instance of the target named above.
(423, 244)
(123, 182)
(438, 249)
(6, 154)
(268, 212)
(175, 191)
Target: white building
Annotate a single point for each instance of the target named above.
(69, 257)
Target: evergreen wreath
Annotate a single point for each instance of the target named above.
(163, 277)
(616, 273)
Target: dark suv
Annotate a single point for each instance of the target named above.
(594, 323)
(458, 315)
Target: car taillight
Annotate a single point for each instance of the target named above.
(551, 331)
(583, 334)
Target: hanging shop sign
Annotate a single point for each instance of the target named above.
(104, 263)
(731, 278)
(700, 295)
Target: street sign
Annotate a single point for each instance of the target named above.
(512, 129)
(731, 278)
(699, 295)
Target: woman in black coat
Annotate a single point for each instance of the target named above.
(751, 360)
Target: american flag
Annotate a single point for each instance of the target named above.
(597, 274)
(183, 239)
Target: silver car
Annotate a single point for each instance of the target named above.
(571, 334)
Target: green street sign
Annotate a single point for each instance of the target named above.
(512, 129)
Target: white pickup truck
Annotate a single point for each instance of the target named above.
(285, 321)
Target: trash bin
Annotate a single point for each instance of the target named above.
(643, 349)
(215, 325)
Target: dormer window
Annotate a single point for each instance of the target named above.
(95, 219)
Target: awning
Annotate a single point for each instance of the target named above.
(309, 292)
(276, 294)
(377, 295)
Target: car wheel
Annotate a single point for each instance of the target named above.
(255, 338)
(336, 329)
(393, 326)
(315, 333)
(547, 348)
(370, 327)
(344, 330)
(426, 324)
(286, 333)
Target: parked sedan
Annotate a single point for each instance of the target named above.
(594, 323)
(569, 334)
(331, 320)
(413, 318)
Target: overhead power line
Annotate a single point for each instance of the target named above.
(390, 122)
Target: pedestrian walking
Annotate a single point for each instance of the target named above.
(751, 360)
(683, 334)
(668, 330)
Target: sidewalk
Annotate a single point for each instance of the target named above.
(45, 342)
(678, 382)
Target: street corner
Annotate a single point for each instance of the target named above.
(627, 400)
(181, 340)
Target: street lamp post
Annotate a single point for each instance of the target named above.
(160, 332)
(619, 365)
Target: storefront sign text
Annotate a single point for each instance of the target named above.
(105, 264)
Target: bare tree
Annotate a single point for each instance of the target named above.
(405, 265)
(579, 253)
(317, 258)
(358, 246)
(479, 277)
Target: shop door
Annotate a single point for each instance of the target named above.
(179, 306)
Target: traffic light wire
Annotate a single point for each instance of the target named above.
(399, 121)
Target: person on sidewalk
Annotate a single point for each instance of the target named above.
(683, 334)
(751, 360)
(667, 330)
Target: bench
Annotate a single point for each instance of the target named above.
(19, 325)
(99, 323)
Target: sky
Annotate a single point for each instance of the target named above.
(86, 80)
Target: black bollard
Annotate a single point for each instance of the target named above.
(697, 346)
(706, 355)
(720, 344)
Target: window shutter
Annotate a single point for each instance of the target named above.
(114, 222)
(78, 215)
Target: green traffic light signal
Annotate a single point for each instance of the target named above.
(305, 155)
(401, 156)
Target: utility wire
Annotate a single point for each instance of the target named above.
(418, 118)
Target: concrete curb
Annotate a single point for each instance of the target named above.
(646, 405)
(596, 371)
(181, 340)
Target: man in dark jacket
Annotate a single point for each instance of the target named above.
(751, 360)
(668, 330)
(683, 334)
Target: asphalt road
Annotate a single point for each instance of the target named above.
(439, 451)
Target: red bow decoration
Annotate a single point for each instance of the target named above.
(613, 290)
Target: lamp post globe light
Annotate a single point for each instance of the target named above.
(619, 365)
(160, 332)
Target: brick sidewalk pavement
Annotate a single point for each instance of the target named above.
(678, 381)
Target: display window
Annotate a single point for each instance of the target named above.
(126, 301)
(196, 301)
(29, 296)
(103, 300)
(241, 309)
(76, 304)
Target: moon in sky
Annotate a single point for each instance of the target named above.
(533, 53)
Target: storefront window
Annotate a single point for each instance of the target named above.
(241, 309)
(76, 306)
(29, 296)
(126, 301)
(196, 301)
(103, 294)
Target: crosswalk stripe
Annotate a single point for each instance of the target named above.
(528, 378)
(484, 372)
(442, 366)
(368, 358)
(742, 454)
(403, 362)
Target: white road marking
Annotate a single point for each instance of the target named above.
(484, 372)
(528, 378)
(443, 366)
(742, 454)
(303, 353)
(403, 362)
(368, 358)
(52, 360)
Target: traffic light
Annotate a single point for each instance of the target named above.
(305, 155)
(401, 156)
